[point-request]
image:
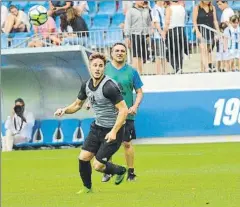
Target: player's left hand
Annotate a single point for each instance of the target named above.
(111, 136)
(132, 110)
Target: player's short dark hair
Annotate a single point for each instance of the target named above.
(12, 7)
(20, 100)
(98, 56)
(119, 43)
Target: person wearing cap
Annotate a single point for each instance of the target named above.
(18, 126)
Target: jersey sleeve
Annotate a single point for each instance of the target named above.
(112, 92)
(82, 93)
(137, 82)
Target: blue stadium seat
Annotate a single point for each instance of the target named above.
(85, 125)
(114, 36)
(189, 6)
(235, 6)
(21, 5)
(49, 129)
(6, 3)
(58, 21)
(117, 19)
(69, 129)
(97, 39)
(20, 39)
(4, 41)
(3, 130)
(101, 22)
(107, 7)
(92, 8)
(87, 19)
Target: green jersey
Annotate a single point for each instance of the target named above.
(128, 80)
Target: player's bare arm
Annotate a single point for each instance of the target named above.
(71, 109)
(139, 96)
(121, 118)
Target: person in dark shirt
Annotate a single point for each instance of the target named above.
(79, 28)
(107, 131)
(58, 7)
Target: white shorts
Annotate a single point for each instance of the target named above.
(221, 56)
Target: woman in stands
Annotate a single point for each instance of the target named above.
(205, 14)
(75, 26)
(173, 33)
(45, 34)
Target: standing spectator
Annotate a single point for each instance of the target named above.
(158, 18)
(4, 15)
(136, 28)
(18, 126)
(58, 7)
(17, 21)
(205, 14)
(174, 35)
(232, 34)
(81, 7)
(227, 11)
(45, 33)
(78, 26)
(218, 11)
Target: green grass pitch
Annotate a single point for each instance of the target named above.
(193, 175)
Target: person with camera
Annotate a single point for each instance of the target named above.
(18, 126)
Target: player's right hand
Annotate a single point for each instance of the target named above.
(60, 112)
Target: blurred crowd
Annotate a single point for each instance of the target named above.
(159, 26)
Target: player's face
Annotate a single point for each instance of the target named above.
(97, 68)
(119, 54)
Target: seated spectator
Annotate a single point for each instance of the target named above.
(81, 7)
(45, 33)
(77, 24)
(17, 21)
(227, 11)
(58, 7)
(4, 15)
(18, 126)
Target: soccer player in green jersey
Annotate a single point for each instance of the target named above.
(128, 80)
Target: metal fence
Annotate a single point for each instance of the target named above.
(180, 51)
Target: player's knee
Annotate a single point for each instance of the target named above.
(85, 156)
(98, 166)
(127, 145)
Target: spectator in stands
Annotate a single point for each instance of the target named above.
(77, 24)
(17, 21)
(46, 33)
(232, 34)
(174, 35)
(137, 28)
(221, 52)
(218, 11)
(18, 126)
(81, 7)
(157, 43)
(205, 14)
(4, 15)
(227, 11)
(58, 7)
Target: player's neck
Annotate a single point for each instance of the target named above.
(97, 81)
(117, 65)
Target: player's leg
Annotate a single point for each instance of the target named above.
(128, 148)
(89, 149)
(105, 152)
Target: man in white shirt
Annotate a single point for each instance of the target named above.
(18, 126)
(17, 21)
(227, 11)
(4, 15)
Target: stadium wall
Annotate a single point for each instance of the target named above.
(173, 106)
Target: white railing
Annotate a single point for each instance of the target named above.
(179, 52)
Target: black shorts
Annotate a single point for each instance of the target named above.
(139, 46)
(130, 132)
(96, 143)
